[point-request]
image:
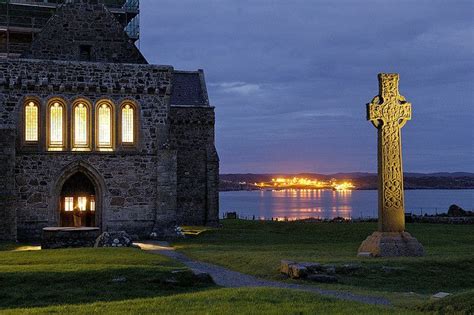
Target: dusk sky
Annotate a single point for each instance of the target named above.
(290, 79)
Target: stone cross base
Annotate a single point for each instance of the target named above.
(391, 244)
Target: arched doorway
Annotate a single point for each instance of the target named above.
(78, 202)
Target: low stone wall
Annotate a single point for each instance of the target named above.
(439, 219)
(64, 237)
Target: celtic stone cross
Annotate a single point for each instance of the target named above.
(388, 112)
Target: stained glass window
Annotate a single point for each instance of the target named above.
(127, 124)
(105, 126)
(81, 124)
(56, 125)
(68, 203)
(31, 122)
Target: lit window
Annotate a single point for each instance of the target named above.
(105, 126)
(68, 203)
(127, 124)
(81, 126)
(92, 204)
(55, 126)
(31, 122)
(82, 203)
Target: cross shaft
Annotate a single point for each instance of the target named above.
(389, 112)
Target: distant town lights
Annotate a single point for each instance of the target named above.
(344, 186)
(304, 183)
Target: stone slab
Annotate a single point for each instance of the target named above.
(66, 237)
(285, 266)
(297, 271)
(440, 295)
(391, 244)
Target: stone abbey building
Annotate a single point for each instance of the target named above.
(86, 124)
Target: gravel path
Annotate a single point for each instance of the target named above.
(233, 279)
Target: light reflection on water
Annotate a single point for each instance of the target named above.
(328, 204)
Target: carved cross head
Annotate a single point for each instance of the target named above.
(388, 86)
(389, 107)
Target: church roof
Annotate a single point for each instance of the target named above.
(189, 89)
(84, 30)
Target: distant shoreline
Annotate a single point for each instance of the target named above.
(361, 181)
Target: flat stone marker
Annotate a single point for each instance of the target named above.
(388, 112)
(440, 295)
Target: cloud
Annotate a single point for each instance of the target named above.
(294, 76)
(237, 87)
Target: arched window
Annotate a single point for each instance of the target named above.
(56, 125)
(128, 124)
(81, 129)
(31, 122)
(104, 129)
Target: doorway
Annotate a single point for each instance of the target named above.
(78, 202)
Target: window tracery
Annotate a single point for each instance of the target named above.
(56, 126)
(31, 122)
(128, 127)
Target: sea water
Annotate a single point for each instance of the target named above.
(327, 204)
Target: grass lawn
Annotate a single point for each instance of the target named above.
(70, 276)
(83, 281)
(223, 301)
(256, 247)
(80, 281)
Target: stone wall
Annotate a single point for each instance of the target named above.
(166, 190)
(130, 181)
(212, 170)
(126, 189)
(85, 31)
(170, 177)
(148, 86)
(192, 135)
(7, 185)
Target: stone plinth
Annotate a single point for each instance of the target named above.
(390, 244)
(64, 237)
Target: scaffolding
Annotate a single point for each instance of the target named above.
(21, 20)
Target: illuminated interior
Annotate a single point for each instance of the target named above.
(68, 204)
(127, 124)
(105, 126)
(58, 136)
(81, 124)
(31, 122)
(92, 205)
(82, 203)
(78, 202)
(55, 127)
